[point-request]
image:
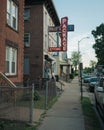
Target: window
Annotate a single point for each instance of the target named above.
(27, 39)
(26, 14)
(11, 61)
(12, 14)
(26, 65)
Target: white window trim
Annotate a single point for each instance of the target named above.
(9, 58)
(10, 13)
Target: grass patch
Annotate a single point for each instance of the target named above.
(40, 103)
(14, 125)
(53, 101)
(90, 117)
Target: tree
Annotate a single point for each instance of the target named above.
(99, 43)
(75, 58)
(87, 70)
(92, 64)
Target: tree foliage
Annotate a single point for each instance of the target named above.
(92, 63)
(99, 43)
(75, 58)
(87, 70)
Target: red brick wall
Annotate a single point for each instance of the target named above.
(16, 37)
(35, 51)
(2, 30)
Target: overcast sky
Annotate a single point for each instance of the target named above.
(86, 15)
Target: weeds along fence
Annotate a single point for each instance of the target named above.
(19, 103)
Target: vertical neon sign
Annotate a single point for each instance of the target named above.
(64, 24)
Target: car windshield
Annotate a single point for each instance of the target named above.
(95, 79)
(87, 76)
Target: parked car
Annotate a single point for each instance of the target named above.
(93, 81)
(86, 79)
(83, 75)
(99, 96)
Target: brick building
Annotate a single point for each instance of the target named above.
(11, 39)
(38, 61)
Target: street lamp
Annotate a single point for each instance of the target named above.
(79, 48)
(80, 66)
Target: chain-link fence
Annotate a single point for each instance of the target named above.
(15, 103)
(20, 103)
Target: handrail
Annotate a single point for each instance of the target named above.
(7, 80)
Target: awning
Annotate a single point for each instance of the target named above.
(48, 57)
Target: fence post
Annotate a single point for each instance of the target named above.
(80, 69)
(32, 104)
(46, 95)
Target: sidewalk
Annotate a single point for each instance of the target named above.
(66, 113)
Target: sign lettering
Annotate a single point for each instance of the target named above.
(64, 24)
(64, 28)
(55, 49)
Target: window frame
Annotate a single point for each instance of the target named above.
(12, 14)
(27, 43)
(26, 65)
(11, 58)
(26, 15)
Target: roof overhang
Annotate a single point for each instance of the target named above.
(49, 6)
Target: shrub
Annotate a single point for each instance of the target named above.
(36, 96)
(71, 76)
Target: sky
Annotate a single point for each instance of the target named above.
(86, 15)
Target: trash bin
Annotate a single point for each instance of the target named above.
(57, 78)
